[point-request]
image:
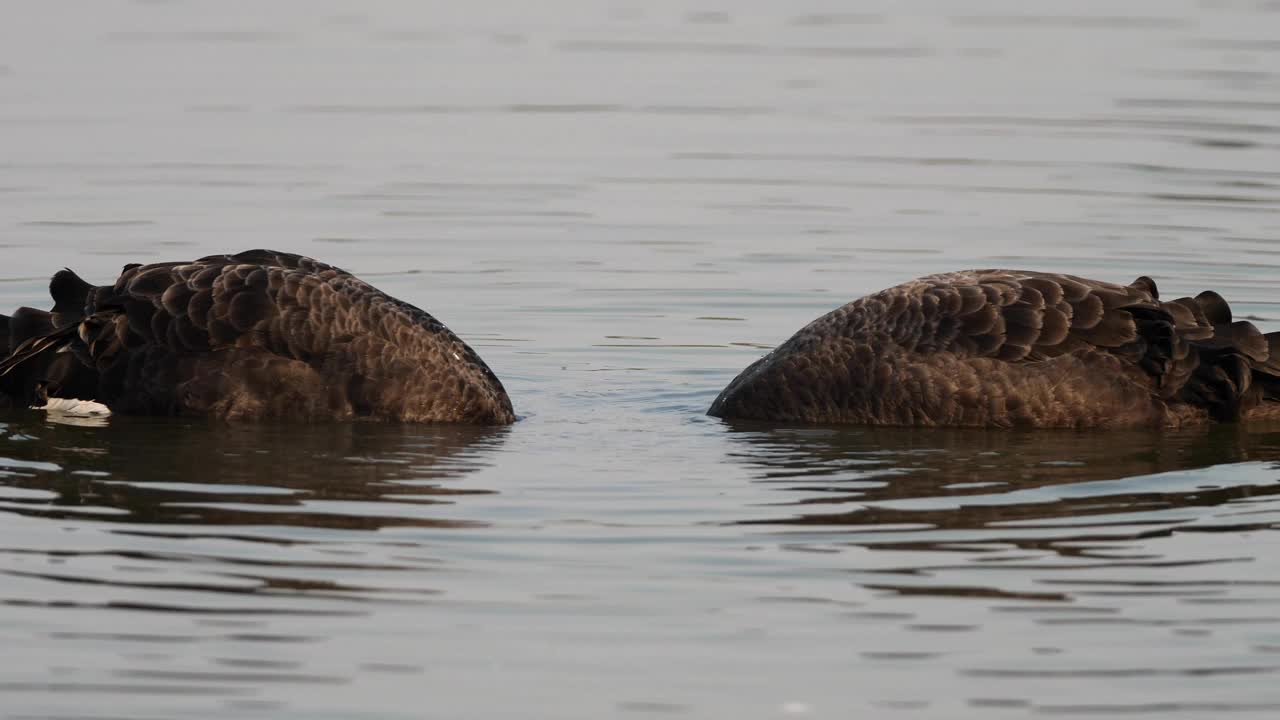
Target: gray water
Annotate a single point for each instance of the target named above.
(620, 205)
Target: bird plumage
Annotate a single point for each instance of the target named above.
(254, 335)
(1009, 348)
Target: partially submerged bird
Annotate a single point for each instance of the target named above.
(255, 335)
(1012, 348)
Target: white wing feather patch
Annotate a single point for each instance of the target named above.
(75, 408)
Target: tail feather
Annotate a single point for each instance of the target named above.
(22, 330)
(1189, 318)
(27, 323)
(1221, 387)
(70, 295)
(1272, 364)
(1241, 337)
(42, 354)
(39, 368)
(34, 347)
(1215, 307)
(1146, 285)
(1230, 366)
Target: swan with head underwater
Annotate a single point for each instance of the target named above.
(251, 336)
(1013, 348)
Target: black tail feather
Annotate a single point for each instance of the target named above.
(1230, 367)
(1241, 337)
(39, 350)
(70, 295)
(1272, 364)
(40, 367)
(27, 323)
(1146, 285)
(1215, 307)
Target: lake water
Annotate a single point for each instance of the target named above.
(621, 205)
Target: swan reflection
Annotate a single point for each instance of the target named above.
(966, 479)
(1040, 516)
(358, 476)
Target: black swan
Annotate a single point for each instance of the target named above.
(255, 335)
(1012, 348)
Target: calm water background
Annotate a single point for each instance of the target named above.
(620, 205)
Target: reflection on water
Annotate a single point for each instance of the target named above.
(621, 206)
(1119, 556)
(346, 476)
(199, 504)
(970, 479)
(1020, 501)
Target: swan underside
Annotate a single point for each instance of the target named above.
(255, 335)
(1012, 348)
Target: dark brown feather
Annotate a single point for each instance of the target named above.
(1055, 325)
(1051, 292)
(1215, 307)
(1240, 337)
(1272, 364)
(1087, 312)
(175, 298)
(980, 321)
(1146, 286)
(1114, 329)
(147, 281)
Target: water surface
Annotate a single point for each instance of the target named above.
(620, 206)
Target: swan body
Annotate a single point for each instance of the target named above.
(254, 335)
(1013, 348)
